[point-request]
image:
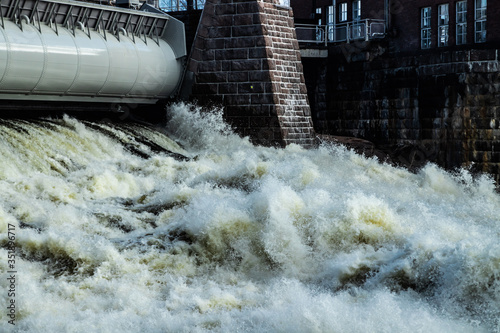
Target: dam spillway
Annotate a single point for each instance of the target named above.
(68, 51)
(70, 55)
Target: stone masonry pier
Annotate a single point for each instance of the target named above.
(246, 58)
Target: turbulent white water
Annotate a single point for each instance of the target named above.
(117, 235)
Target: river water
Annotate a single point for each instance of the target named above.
(113, 233)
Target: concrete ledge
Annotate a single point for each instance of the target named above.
(313, 53)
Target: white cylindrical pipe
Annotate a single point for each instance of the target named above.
(44, 63)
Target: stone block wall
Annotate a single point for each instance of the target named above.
(246, 57)
(445, 106)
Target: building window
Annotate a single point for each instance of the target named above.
(176, 5)
(318, 14)
(356, 10)
(461, 22)
(319, 30)
(480, 21)
(330, 22)
(425, 30)
(443, 21)
(343, 12)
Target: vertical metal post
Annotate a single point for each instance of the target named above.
(386, 12)
(334, 20)
(12, 7)
(347, 33)
(367, 34)
(1, 16)
(37, 17)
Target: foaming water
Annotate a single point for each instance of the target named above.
(189, 228)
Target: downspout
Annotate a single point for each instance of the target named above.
(334, 21)
(386, 14)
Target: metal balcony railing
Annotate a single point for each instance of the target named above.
(311, 33)
(366, 29)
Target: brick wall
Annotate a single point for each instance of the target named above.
(444, 107)
(246, 57)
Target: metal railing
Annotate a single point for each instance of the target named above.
(366, 29)
(311, 33)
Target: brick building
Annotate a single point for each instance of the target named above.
(409, 25)
(419, 76)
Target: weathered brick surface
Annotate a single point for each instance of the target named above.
(246, 57)
(445, 106)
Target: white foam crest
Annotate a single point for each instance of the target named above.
(292, 307)
(281, 210)
(201, 130)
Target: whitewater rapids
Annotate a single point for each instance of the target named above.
(189, 228)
